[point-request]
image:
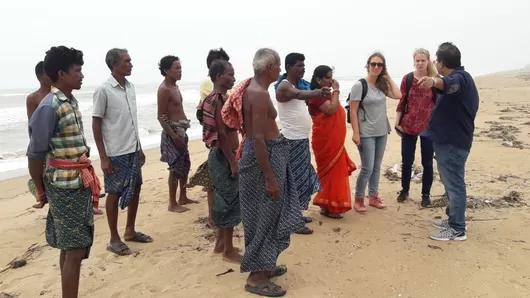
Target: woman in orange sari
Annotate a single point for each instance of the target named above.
(329, 134)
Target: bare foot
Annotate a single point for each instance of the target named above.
(221, 249)
(186, 201)
(97, 211)
(232, 256)
(39, 205)
(210, 223)
(177, 208)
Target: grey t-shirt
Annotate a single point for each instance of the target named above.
(375, 122)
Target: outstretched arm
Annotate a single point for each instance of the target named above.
(287, 92)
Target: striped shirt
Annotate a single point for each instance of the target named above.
(56, 132)
(209, 106)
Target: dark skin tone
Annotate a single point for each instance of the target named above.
(119, 71)
(170, 104)
(228, 142)
(286, 92)
(260, 125)
(32, 102)
(69, 261)
(330, 107)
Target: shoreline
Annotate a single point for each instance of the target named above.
(386, 253)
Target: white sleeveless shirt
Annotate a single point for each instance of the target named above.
(295, 119)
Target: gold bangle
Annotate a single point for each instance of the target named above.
(338, 91)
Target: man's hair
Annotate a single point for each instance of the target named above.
(292, 58)
(166, 62)
(61, 58)
(263, 58)
(39, 69)
(217, 68)
(113, 57)
(216, 54)
(449, 55)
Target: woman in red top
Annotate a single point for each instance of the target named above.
(334, 167)
(412, 118)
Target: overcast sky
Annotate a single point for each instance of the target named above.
(339, 33)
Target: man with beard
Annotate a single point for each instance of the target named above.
(174, 143)
(69, 182)
(291, 92)
(451, 129)
(115, 128)
(223, 169)
(269, 207)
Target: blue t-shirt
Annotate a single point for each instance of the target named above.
(453, 117)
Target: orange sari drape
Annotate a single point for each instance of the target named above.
(334, 166)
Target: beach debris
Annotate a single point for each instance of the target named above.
(337, 230)
(226, 272)
(201, 220)
(320, 222)
(8, 295)
(355, 246)
(23, 260)
(512, 200)
(393, 173)
(504, 132)
(434, 247)
(506, 110)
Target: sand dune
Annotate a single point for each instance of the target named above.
(380, 254)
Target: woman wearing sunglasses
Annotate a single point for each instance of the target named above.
(413, 113)
(371, 127)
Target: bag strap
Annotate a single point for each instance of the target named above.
(410, 77)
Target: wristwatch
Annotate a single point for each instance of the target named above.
(433, 81)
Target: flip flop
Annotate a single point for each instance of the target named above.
(266, 288)
(140, 237)
(278, 271)
(120, 249)
(307, 219)
(304, 231)
(331, 215)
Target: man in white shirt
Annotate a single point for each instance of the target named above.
(291, 92)
(115, 127)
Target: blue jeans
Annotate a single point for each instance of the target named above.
(371, 150)
(451, 163)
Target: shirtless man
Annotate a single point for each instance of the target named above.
(270, 208)
(34, 99)
(174, 144)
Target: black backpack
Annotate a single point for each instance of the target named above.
(364, 84)
(410, 77)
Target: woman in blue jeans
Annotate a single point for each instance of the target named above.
(371, 127)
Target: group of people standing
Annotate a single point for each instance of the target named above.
(266, 180)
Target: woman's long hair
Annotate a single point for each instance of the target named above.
(431, 69)
(381, 83)
(320, 72)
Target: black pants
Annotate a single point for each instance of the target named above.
(408, 150)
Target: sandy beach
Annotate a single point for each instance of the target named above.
(384, 253)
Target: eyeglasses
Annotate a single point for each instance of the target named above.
(376, 64)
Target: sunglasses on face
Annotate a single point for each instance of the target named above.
(376, 64)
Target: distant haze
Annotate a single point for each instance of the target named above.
(338, 33)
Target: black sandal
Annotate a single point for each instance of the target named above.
(266, 288)
(304, 231)
(331, 215)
